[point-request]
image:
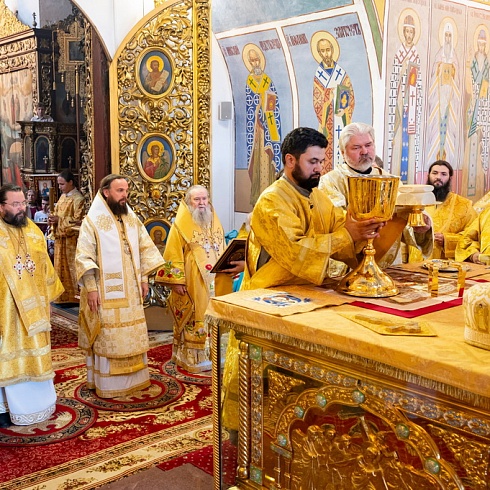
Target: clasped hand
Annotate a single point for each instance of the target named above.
(364, 229)
(52, 219)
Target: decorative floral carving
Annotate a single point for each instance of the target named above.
(9, 23)
(180, 110)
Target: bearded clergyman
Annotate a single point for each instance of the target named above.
(451, 215)
(194, 244)
(27, 286)
(114, 258)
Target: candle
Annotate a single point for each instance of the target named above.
(51, 199)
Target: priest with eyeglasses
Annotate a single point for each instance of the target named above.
(28, 284)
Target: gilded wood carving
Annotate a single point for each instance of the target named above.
(160, 91)
(9, 23)
(312, 422)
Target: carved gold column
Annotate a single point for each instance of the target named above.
(244, 413)
(216, 377)
(88, 186)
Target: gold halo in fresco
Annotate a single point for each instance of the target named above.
(416, 22)
(448, 23)
(317, 36)
(481, 27)
(246, 50)
(161, 149)
(151, 59)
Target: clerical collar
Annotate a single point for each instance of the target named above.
(363, 172)
(301, 190)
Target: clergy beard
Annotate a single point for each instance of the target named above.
(327, 62)
(448, 48)
(116, 207)
(18, 220)
(441, 192)
(308, 183)
(363, 165)
(202, 217)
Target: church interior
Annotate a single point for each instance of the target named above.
(128, 83)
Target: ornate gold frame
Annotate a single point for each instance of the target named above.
(181, 30)
(139, 151)
(140, 61)
(36, 180)
(68, 66)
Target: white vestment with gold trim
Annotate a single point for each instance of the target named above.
(113, 257)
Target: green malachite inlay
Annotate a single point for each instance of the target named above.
(321, 401)
(256, 474)
(255, 352)
(299, 411)
(282, 440)
(358, 396)
(432, 466)
(402, 431)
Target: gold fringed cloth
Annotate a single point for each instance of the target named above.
(445, 363)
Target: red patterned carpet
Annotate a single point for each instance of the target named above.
(175, 427)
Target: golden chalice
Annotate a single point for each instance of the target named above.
(416, 197)
(370, 197)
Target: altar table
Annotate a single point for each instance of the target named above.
(326, 403)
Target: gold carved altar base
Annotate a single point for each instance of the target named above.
(316, 416)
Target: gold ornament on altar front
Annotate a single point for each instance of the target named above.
(370, 197)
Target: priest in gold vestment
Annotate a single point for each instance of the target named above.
(452, 216)
(482, 203)
(398, 243)
(65, 222)
(194, 244)
(28, 284)
(474, 245)
(297, 237)
(114, 257)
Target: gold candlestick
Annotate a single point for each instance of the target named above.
(51, 199)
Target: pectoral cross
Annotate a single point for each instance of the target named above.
(19, 266)
(207, 247)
